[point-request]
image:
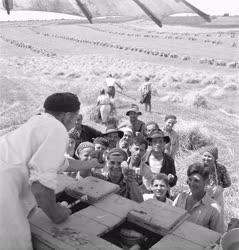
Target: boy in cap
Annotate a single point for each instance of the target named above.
(119, 173)
(173, 146)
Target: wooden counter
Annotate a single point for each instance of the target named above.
(106, 211)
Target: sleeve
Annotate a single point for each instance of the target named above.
(173, 172)
(49, 158)
(135, 192)
(226, 180)
(175, 146)
(178, 201)
(147, 175)
(216, 221)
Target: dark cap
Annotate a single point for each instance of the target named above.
(62, 102)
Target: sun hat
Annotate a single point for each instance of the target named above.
(112, 129)
(134, 108)
(62, 102)
(158, 134)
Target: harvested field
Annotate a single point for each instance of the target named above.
(194, 73)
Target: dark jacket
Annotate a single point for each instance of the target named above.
(168, 166)
(87, 134)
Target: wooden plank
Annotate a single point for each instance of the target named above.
(117, 205)
(197, 234)
(42, 240)
(93, 187)
(160, 218)
(77, 223)
(101, 216)
(63, 181)
(173, 242)
(68, 239)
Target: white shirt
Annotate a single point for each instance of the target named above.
(155, 164)
(38, 148)
(110, 82)
(33, 152)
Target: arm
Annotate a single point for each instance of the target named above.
(216, 221)
(172, 172)
(46, 200)
(135, 192)
(77, 165)
(226, 180)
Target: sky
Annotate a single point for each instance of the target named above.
(211, 7)
(217, 7)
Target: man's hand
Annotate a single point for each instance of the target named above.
(171, 177)
(62, 214)
(46, 200)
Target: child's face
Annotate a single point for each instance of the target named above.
(160, 188)
(169, 124)
(85, 154)
(114, 165)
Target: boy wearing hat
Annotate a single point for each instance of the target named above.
(157, 160)
(137, 126)
(119, 173)
(173, 146)
(113, 135)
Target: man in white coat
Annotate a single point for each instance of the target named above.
(30, 158)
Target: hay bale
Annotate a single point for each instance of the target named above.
(232, 65)
(230, 87)
(172, 98)
(193, 136)
(211, 80)
(195, 99)
(209, 90)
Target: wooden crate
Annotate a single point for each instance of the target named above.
(116, 205)
(156, 216)
(93, 187)
(173, 242)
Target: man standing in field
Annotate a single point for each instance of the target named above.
(173, 146)
(111, 84)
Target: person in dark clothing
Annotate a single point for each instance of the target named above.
(157, 160)
(81, 133)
